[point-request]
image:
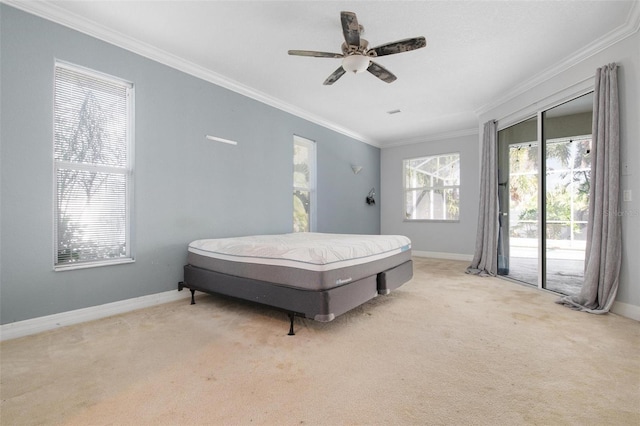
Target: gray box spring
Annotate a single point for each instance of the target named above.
(297, 277)
(320, 305)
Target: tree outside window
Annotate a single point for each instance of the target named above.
(432, 187)
(303, 184)
(92, 121)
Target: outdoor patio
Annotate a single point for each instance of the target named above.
(565, 264)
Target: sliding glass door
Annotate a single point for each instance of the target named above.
(544, 174)
(567, 163)
(518, 191)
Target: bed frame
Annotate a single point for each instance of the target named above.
(320, 305)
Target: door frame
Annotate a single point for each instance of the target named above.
(538, 110)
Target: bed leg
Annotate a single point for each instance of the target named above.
(291, 317)
(193, 299)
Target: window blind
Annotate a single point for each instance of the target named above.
(92, 121)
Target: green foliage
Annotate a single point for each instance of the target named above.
(301, 211)
(567, 193)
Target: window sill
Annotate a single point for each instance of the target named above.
(85, 265)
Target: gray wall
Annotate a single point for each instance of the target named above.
(453, 238)
(186, 187)
(577, 80)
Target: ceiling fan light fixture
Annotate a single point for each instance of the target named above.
(355, 63)
(356, 53)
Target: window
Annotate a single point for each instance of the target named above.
(304, 165)
(432, 187)
(92, 149)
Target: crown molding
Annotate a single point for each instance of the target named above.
(579, 88)
(629, 28)
(56, 14)
(432, 138)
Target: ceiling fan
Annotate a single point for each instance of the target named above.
(356, 54)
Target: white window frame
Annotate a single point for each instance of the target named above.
(407, 188)
(127, 172)
(311, 146)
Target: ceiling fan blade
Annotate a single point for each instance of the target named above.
(381, 72)
(315, 54)
(334, 77)
(400, 46)
(350, 28)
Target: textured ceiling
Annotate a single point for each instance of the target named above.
(477, 52)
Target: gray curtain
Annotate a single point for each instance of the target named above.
(604, 244)
(485, 258)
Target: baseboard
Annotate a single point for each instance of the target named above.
(618, 308)
(37, 325)
(626, 310)
(441, 255)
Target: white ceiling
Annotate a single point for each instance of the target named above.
(477, 54)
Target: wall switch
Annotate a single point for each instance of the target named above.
(626, 195)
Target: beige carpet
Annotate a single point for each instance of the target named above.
(445, 349)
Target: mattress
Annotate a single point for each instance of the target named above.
(309, 261)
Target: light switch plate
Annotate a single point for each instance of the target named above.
(626, 195)
(625, 169)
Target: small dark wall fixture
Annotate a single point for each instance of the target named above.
(370, 198)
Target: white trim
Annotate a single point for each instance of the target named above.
(311, 146)
(406, 189)
(630, 27)
(619, 308)
(55, 13)
(626, 310)
(70, 66)
(63, 80)
(442, 255)
(567, 94)
(37, 325)
(50, 322)
(94, 264)
(432, 138)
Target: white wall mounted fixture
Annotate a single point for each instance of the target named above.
(217, 139)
